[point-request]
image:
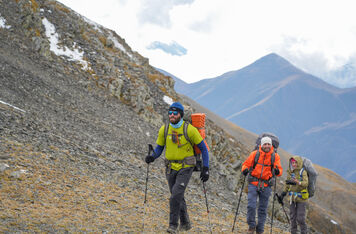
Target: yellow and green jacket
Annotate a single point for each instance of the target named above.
(182, 149)
(295, 192)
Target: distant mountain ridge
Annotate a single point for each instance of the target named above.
(311, 117)
(74, 134)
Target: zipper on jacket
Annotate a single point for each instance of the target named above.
(260, 179)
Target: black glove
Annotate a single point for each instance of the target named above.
(204, 175)
(291, 182)
(276, 171)
(149, 159)
(245, 172)
(280, 197)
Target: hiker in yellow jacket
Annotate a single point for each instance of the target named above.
(180, 162)
(296, 188)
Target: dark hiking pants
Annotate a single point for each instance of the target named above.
(297, 217)
(262, 195)
(178, 181)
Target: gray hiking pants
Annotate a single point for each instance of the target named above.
(297, 216)
(262, 195)
(178, 181)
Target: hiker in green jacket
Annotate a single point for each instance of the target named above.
(296, 188)
(180, 162)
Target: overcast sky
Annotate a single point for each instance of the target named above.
(198, 39)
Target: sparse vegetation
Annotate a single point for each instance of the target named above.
(75, 155)
(34, 5)
(51, 196)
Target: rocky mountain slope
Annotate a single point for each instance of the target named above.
(77, 110)
(273, 95)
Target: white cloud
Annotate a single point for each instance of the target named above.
(318, 36)
(172, 48)
(158, 11)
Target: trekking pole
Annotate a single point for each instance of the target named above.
(238, 204)
(150, 149)
(275, 185)
(282, 204)
(207, 206)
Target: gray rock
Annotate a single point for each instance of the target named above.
(18, 174)
(3, 167)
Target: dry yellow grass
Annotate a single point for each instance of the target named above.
(51, 197)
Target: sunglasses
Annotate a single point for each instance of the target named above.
(173, 112)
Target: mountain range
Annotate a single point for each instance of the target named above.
(78, 108)
(311, 117)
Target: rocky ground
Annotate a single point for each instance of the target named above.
(59, 186)
(74, 133)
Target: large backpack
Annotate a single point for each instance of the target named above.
(312, 175)
(274, 138)
(198, 121)
(275, 143)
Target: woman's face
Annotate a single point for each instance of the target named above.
(294, 164)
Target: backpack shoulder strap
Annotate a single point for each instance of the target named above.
(166, 127)
(257, 156)
(301, 173)
(273, 158)
(185, 131)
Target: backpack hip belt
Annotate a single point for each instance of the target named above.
(296, 194)
(255, 179)
(191, 161)
(196, 161)
(302, 194)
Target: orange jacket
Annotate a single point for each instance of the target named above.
(260, 171)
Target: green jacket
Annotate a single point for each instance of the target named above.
(291, 190)
(181, 149)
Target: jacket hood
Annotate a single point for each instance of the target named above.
(299, 163)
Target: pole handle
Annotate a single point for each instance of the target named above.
(150, 150)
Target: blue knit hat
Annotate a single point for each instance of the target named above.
(178, 107)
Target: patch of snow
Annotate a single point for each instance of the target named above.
(232, 140)
(119, 45)
(96, 25)
(3, 23)
(332, 125)
(205, 93)
(16, 108)
(73, 55)
(334, 222)
(147, 134)
(167, 100)
(42, 10)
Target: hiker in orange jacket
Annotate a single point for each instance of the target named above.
(260, 182)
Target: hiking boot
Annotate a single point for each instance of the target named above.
(185, 227)
(251, 230)
(172, 229)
